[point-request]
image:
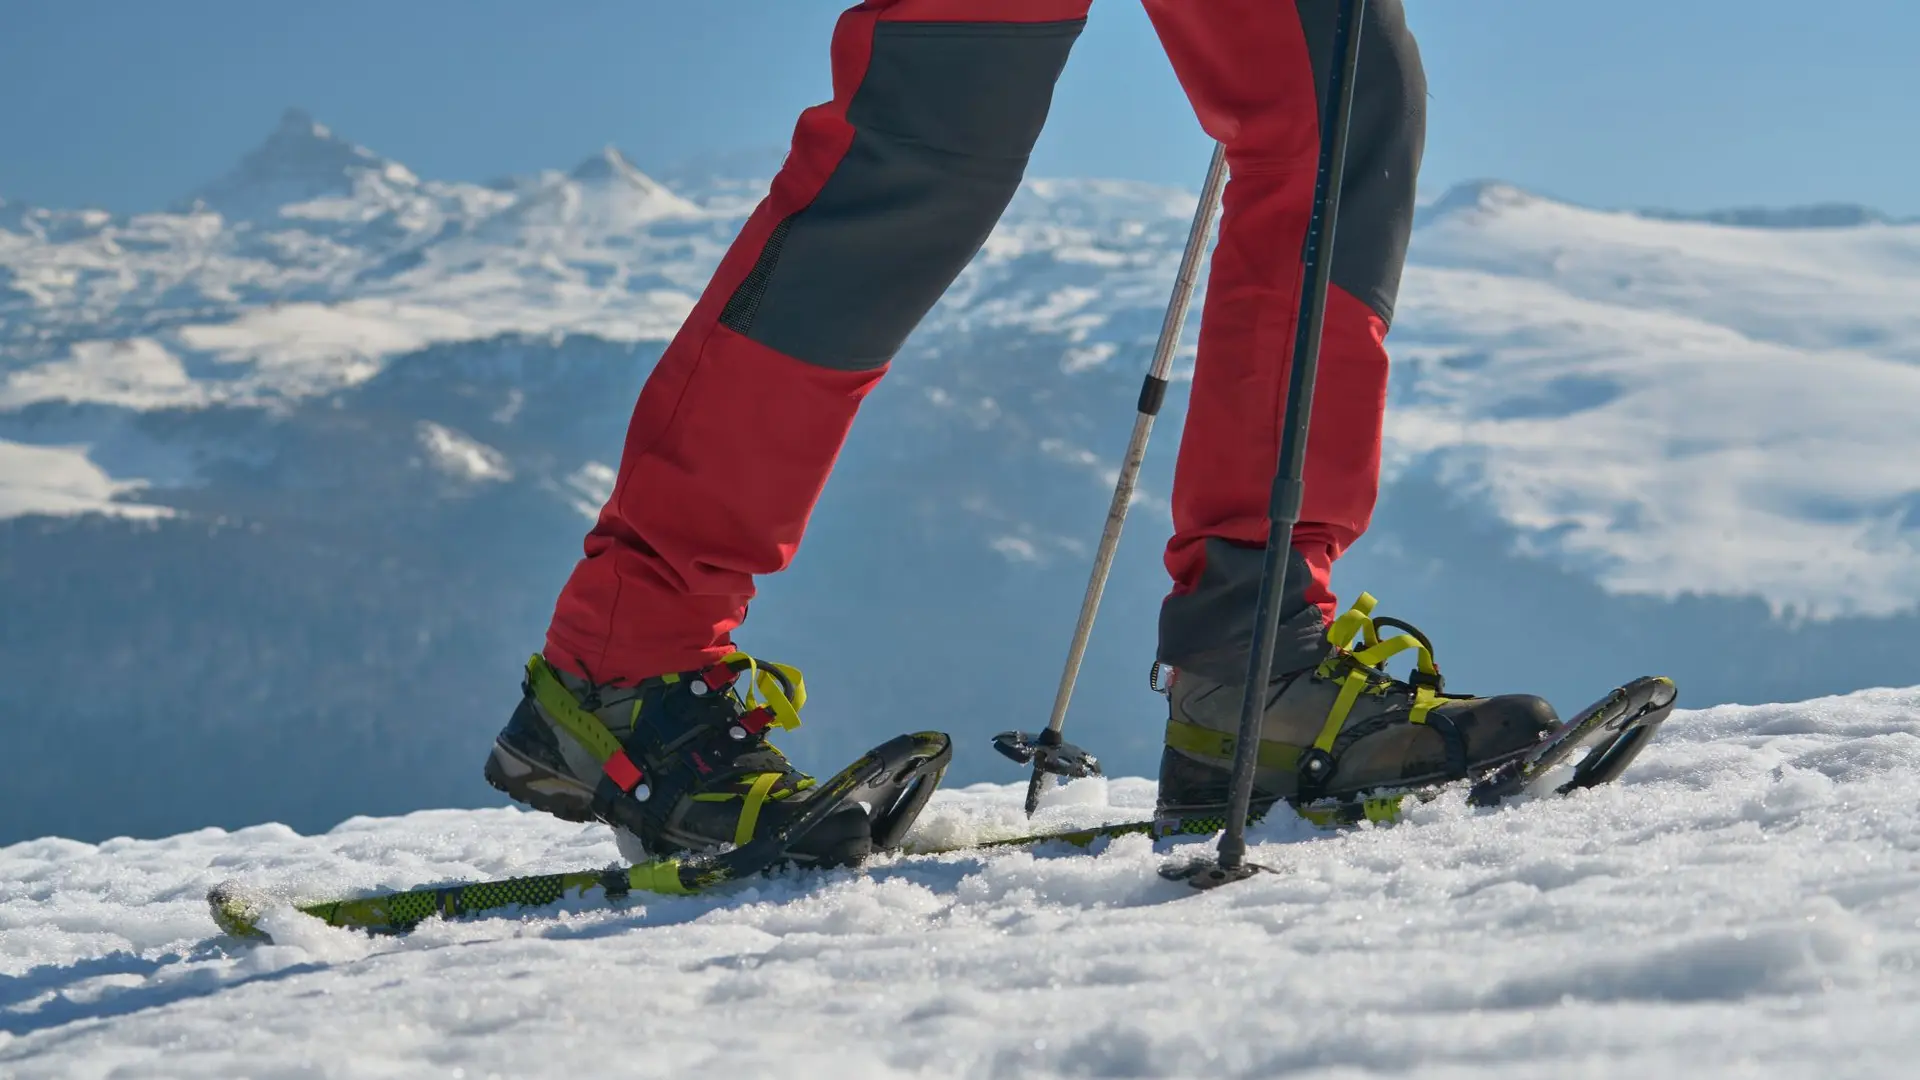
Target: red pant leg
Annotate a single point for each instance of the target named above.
(1255, 71)
(888, 191)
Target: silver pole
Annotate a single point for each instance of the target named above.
(1152, 392)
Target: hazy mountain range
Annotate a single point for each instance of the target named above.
(291, 470)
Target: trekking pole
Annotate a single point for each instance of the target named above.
(1283, 508)
(1049, 754)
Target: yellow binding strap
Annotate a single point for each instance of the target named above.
(1205, 742)
(657, 876)
(1380, 652)
(750, 810)
(1355, 635)
(559, 703)
(782, 685)
(1357, 622)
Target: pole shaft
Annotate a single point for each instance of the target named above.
(1170, 330)
(1283, 508)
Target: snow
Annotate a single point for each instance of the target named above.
(1678, 406)
(1746, 902)
(136, 373)
(295, 349)
(1670, 454)
(461, 456)
(62, 480)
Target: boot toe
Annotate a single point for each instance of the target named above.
(1498, 726)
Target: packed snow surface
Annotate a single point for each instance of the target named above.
(1746, 902)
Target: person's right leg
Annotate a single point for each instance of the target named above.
(889, 190)
(1257, 73)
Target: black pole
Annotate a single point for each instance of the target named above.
(1283, 510)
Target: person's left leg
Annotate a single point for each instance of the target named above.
(1257, 73)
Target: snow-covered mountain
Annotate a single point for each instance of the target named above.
(291, 472)
(1744, 903)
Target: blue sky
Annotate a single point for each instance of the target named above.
(1688, 104)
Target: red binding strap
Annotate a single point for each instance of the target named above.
(621, 769)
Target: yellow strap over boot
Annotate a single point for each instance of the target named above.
(775, 692)
(1359, 648)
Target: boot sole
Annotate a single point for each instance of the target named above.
(534, 785)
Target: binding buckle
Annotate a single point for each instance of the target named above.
(750, 724)
(713, 679)
(1315, 769)
(628, 777)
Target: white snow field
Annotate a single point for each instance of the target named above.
(1746, 902)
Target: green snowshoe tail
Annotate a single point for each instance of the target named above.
(238, 913)
(236, 910)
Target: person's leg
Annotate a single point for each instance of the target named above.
(1332, 725)
(888, 191)
(1256, 71)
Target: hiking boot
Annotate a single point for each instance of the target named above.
(1342, 728)
(679, 762)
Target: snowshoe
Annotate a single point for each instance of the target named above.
(680, 763)
(1343, 729)
(1613, 730)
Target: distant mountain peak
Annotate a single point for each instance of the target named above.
(606, 192)
(301, 160)
(1476, 197)
(296, 122)
(612, 166)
